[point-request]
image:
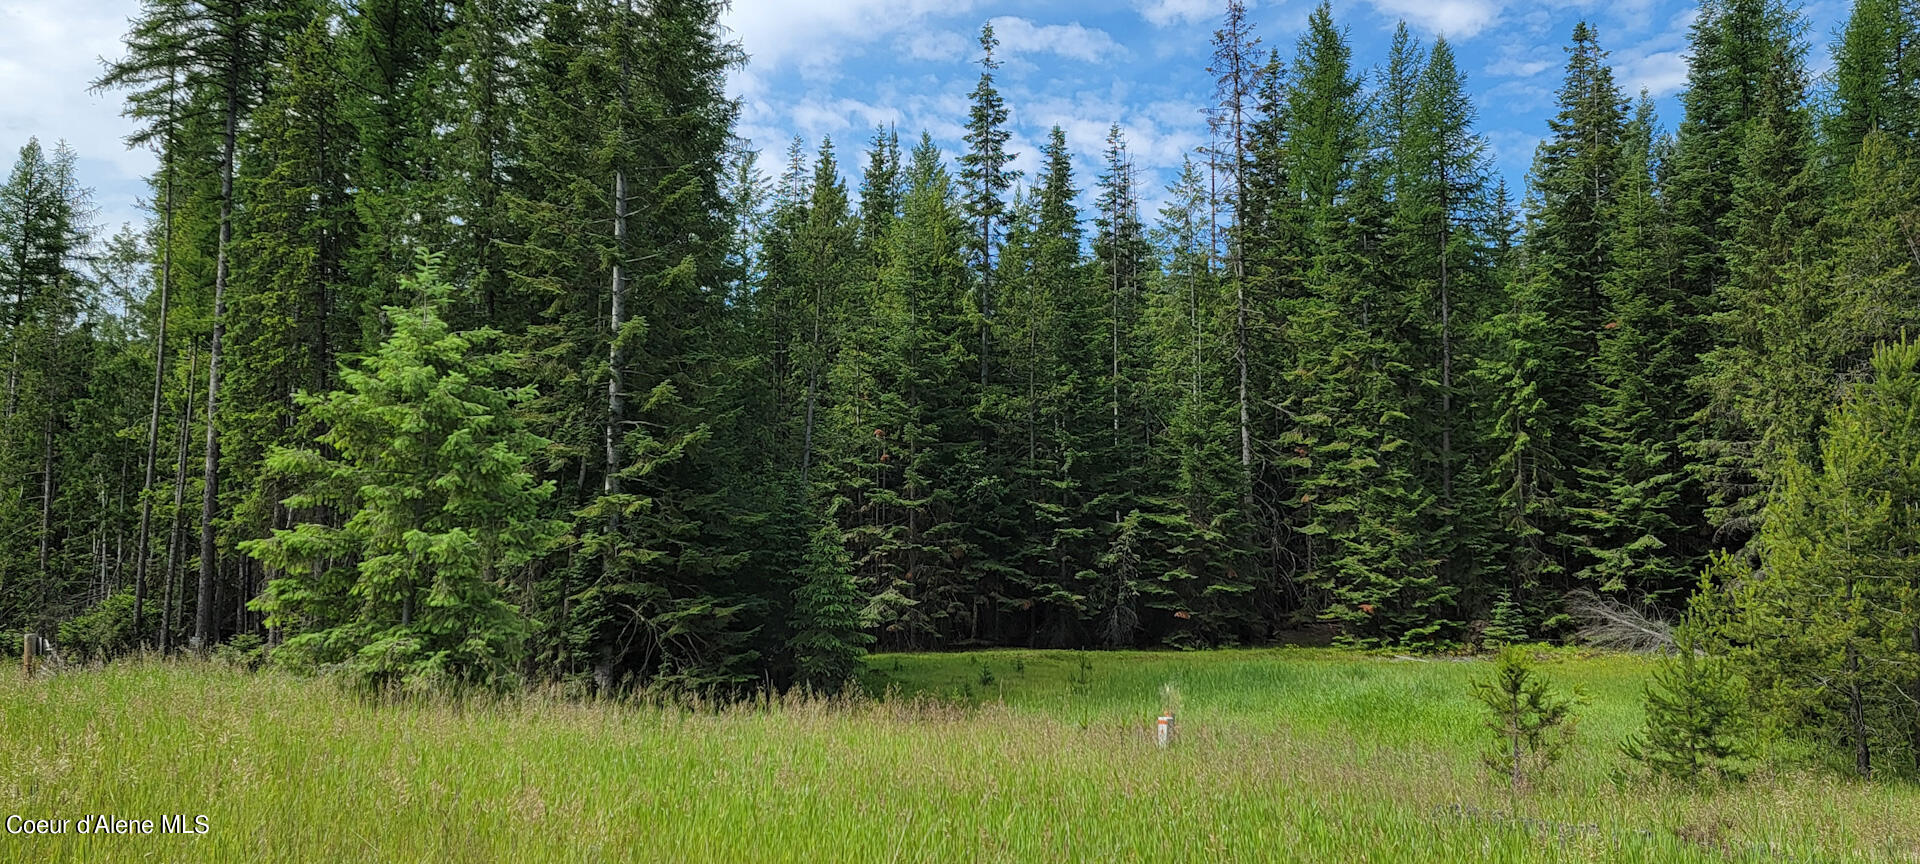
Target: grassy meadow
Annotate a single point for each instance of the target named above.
(1282, 755)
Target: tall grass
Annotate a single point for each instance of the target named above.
(1282, 756)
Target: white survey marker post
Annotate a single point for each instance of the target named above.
(1163, 733)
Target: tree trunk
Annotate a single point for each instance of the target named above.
(1856, 702)
(153, 420)
(986, 276)
(1240, 282)
(617, 311)
(1446, 356)
(13, 338)
(813, 371)
(46, 499)
(617, 317)
(210, 493)
(169, 621)
(1857, 714)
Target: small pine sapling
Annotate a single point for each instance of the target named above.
(1508, 627)
(1697, 717)
(1531, 723)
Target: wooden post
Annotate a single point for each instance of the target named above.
(29, 653)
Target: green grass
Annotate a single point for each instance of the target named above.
(1283, 755)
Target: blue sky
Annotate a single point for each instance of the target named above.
(838, 67)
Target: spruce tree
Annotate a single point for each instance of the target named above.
(1542, 346)
(1643, 529)
(288, 322)
(1438, 245)
(1872, 75)
(1199, 514)
(1740, 200)
(828, 639)
(986, 174)
(924, 593)
(389, 50)
(44, 298)
(427, 462)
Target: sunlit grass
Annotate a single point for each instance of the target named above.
(1282, 756)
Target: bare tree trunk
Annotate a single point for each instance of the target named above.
(1446, 355)
(1857, 713)
(813, 397)
(240, 592)
(13, 337)
(168, 619)
(617, 312)
(986, 280)
(46, 498)
(153, 420)
(210, 493)
(617, 318)
(1856, 702)
(1240, 275)
(814, 356)
(1113, 263)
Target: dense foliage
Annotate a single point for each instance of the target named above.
(1335, 384)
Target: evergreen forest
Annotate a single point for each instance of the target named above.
(468, 342)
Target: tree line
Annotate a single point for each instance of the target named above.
(469, 336)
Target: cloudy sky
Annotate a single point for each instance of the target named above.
(839, 67)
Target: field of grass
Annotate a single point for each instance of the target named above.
(1282, 755)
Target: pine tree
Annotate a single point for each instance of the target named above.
(1870, 290)
(429, 465)
(1828, 634)
(1438, 245)
(1531, 723)
(828, 641)
(1697, 723)
(472, 97)
(1324, 112)
(1740, 202)
(158, 102)
(1236, 78)
(922, 591)
(1124, 263)
(880, 191)
(1198, 521)
(1644, 534)
(43, 298)
(986, 174)
(1871, 81)
(287, 319)
(828, 265)
(1543, 345)
(389, 50)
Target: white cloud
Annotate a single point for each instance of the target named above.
(935, 46)
(49, 53)
(1021, 36)
(1456, 19)
(1161, 13)
(1659, 73)
(815, 34)
(1513, 151)
(1514, 67)
(815, 118)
